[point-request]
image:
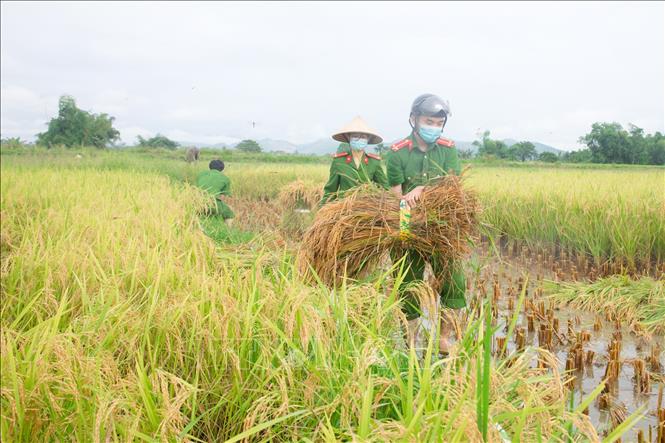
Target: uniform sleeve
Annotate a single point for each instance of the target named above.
(453, 162)
(333, 184)
(395, 171)
(380, 176)
(225, 188)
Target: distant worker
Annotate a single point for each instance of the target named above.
(215, 183)
(351, 165)
(192, 154)
(423, 156)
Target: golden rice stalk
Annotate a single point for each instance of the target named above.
(350, 234)
(300, 194)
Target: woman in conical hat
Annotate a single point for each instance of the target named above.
(351, 165)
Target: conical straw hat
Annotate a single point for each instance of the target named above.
(357, 125)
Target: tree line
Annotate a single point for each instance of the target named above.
(605, 143)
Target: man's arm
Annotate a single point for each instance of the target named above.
(395, 174)
(332, 185)
(397, 190)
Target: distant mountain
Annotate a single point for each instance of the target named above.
(319, 147)
(268, 144)
(540, 147)
(327, 145)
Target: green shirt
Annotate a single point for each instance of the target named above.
(410, 167)
(214, 182)
(344, 174)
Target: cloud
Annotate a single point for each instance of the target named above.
(302, 69)
(115, 101)
(128, 134)
(187, 137)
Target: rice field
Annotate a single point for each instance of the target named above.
(126, 317)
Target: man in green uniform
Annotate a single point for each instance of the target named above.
(351, 165)
(215, 183)
(423, 156)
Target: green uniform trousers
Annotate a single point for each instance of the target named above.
(224, 210)
(452, 290)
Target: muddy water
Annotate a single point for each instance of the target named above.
(508, 273)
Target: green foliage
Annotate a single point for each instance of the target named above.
(248, 146)
(548, 157)
(12, 143)
(381, 149)
(158, 141)
(75, 127)
(490, 148)
(522, 151)
(611, 143)
(581, 156)
(465, 153)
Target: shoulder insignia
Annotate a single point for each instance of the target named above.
(404, 143)
(445, 142)
(339, 154)
(374, 156)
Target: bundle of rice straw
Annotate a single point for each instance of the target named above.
(300, 194)
(350, 234)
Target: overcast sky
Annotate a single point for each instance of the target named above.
(203, 72)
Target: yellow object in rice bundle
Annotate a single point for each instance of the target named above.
(404, 220)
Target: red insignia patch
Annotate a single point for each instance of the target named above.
(404, 143)
(445, 142)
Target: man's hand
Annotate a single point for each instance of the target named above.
(413, 197)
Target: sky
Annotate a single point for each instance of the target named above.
(203, 72)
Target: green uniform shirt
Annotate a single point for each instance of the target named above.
(344, 174)
(215, 183)
(410, 167)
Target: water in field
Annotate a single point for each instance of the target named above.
(623, 396)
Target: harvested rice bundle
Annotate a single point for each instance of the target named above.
(350, 234)
(300, 194)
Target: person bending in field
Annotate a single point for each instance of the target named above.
(215, 183)
(423, 156)
(351, 165)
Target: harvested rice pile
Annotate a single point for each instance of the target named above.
(352, 233)
(300, 194)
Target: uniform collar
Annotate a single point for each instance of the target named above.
(414, 142)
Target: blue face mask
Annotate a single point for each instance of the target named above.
(430, 133)
(358, 143)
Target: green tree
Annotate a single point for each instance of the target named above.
(548, 157)
(581, 156)
(524, 151)
(380, 149)
(75, 127)
(465, 153)
(608, 143)
(656, 149)
(611, 143)
(490, 148)
(158, 141)
(12, 143)
(248, 146)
